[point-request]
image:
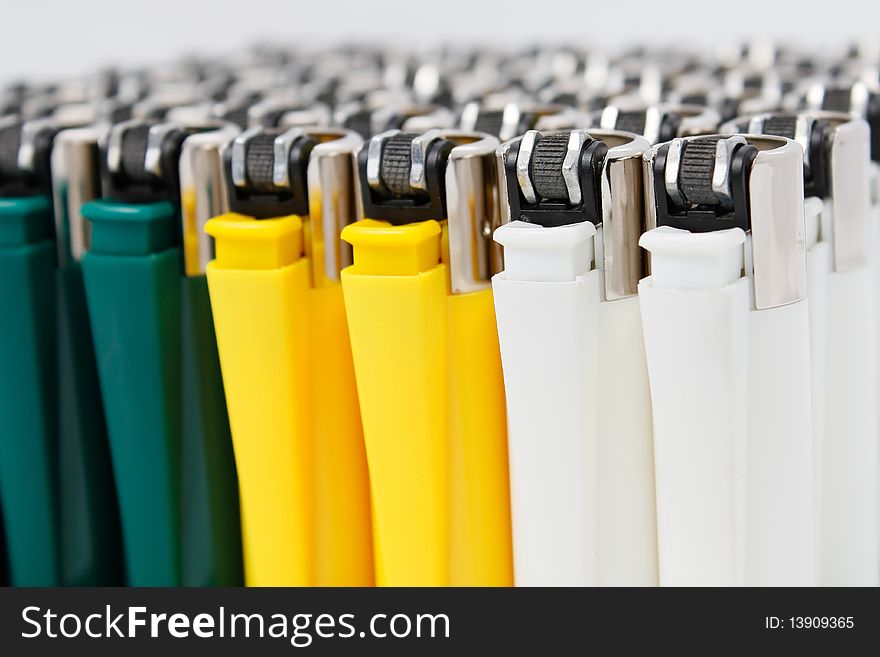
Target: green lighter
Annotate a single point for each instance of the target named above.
(56, 484)
(157, 357)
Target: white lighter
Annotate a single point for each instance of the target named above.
(579, 408)
(860, 98)
(843, 325)
(726, 326)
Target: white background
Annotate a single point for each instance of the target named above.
(50, 38)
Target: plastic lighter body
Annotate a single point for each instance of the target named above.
(397, 318)
(726, 319)
(840, 276)
(91, 544)
(159, 373)
(579, 406)
(421, 318)
(57, 484)
(848, 442)
(286, 359)
(4, 564)
(848, 472)
(848, 448)
(875, 228)
(28, 442)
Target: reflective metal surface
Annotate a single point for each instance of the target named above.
(523, 165)
(280, 161)
(155, 138)
(849, 161)
(26, 149)
(76, 179)
(850, 192)
(332, 206)
(203, 193)
(472, 211)
(374, 157)
(238, 157)
(776, 206)
(623, 212)
(721, 175)
(570, 165)
(419, 156)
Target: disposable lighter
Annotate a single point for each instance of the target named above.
(282, 112)
(91, 544)
(856, 97)
(726, 325)
(579, 407)
(843, 337)
(657, 123)
(368, 119)
(861, 100)
(507, 120)
(157, 357)
(56, 486)
(286, 359)
(421, 317)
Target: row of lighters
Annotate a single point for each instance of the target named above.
(503, 342)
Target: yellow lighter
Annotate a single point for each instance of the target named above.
(286, 357)
(422, 323)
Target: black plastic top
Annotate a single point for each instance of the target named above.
(635, 120)
(236, 110)
(361, 121)
(670, 124)
(631, 121)
(491, 121)
(132, 183)
(15, 181)
(272, 117)
(395, 200)
(553, 207)
(260, 197)
(839, 99)
(873, 119)
(816, 175)
(702, 212)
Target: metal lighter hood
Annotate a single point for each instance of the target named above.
(751, 182)
(441, 175)
(275, 172)
(562, 178)
(836, 149)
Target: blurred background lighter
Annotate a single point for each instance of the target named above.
(420, 312)
(656, 123)
(726, 325)
(90, 531)
(843, 332)
(157, 355)
(391, 113)
(855, 91)
(579, 406)
(286, 357)
(55, 479)
(506, 119)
